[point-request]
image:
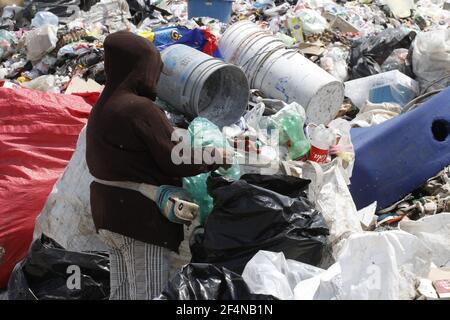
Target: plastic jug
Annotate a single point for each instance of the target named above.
(396, 157)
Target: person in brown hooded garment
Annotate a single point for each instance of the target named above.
(129, 139)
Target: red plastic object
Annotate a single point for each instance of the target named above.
(38, 134)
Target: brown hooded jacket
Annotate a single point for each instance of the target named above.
(129, 139)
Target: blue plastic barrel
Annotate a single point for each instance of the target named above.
(218, 9)
(399, 155)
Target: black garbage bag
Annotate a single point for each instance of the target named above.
(60, 8)
(141, 9)
(259, 213)
(368, 54)
(201, 281)
(48, 270)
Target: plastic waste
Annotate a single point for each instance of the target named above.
(46, 83)
(45, 274)
(389, 164)
(206, 134)
(334, 61)
(321, 139)
(40, 41)
(401, 8)
(431, 59)
(369, 53)
(312, 21)
(270, 273)
(434, 231)
(392, 86)
(390, 263)
(7, 39)
(330, 194)
(259, 213)
(289, 121)
(43, 18)
(398, 60)
(201, 281)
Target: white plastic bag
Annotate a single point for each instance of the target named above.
(46, 83)
(382, 265)
(270, 273)
(434, 231)
(312, 21)
(431, 57)
(329, 192)
(371, 266)
(40, 41)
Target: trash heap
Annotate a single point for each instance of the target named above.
(335, 112)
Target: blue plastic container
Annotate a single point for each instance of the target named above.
(391, 93)
(399, 155)
(218, 9)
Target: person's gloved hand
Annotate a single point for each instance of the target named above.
(175, 204)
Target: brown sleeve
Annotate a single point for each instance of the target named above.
(156, 134)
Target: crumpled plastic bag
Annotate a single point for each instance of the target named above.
(43, 18)
(434, 231)
(375, 113)
(46, 83)
(201, 281)
(45, 274)
(312, 21)
(40, 41)
(271, 274)
(431, 58)
(334, 61)
(371, 266)
(368, 54)
(330, 194)
(204, 133)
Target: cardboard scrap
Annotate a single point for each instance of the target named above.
(79, 85)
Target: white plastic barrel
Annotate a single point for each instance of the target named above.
(196, 84)
(282, 73)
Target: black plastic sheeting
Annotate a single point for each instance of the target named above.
(44, 274)
(259, 213)
(199, 281)
(368, 54)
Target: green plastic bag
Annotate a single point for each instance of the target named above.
(289, 121)
(206, 134)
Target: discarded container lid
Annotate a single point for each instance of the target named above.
(197, 84)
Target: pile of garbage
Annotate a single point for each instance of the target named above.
(334, 110)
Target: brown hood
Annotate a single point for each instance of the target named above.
(132, 63)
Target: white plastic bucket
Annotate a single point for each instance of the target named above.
(197, 84)
(289, 76)
(281, 73)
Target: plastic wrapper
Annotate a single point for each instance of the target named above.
(259, 213)
(431, 59)
(45, 274)
(43, 18)
(368, 54)
(201, 281)
(206, 134)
